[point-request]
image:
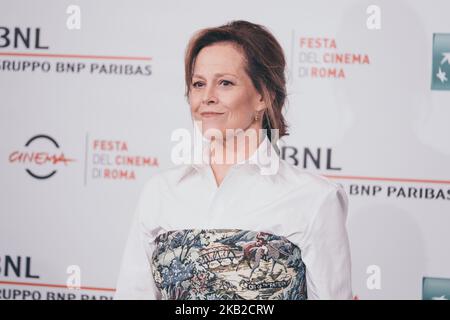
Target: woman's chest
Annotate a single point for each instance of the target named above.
(227, 264)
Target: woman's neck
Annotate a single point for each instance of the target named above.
(234, 149)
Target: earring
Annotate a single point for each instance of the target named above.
(257, 116)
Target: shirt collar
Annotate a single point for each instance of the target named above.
(266, 158)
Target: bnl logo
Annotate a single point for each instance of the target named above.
(441, 62)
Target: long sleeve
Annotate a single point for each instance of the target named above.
(135, 277)
(326, 251)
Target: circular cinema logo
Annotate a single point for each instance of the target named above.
(42, 157)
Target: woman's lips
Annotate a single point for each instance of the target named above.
(210, 114)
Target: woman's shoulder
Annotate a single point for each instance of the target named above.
(314, 182)
(166, 177)
(155, 186)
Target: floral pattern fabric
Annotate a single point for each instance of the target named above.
(222, 264)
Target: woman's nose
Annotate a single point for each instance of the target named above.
(209, 95)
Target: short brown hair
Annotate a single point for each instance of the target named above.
(265, 64)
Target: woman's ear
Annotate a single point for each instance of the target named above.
(261, 104)
(263, 94)
(267, 97)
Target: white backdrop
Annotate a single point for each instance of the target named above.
(103, 100)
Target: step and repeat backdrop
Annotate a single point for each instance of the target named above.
(90, 92)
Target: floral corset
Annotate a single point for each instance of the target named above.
(218, 264)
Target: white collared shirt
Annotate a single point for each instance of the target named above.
(307, 209)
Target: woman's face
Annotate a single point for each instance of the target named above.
(222, 95)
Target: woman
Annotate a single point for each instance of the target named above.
(253, 227)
